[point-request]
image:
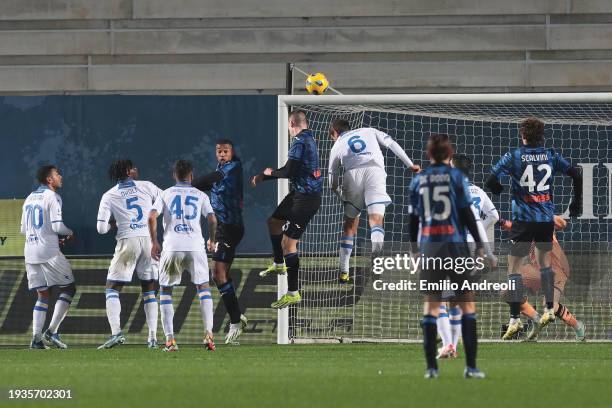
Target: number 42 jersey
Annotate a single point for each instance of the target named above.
(531, 170)
(129, 202)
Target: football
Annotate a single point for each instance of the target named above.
(316, 84)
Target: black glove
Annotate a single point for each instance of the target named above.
(575, 208)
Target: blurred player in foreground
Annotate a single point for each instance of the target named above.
(532, 282)
(531, 168)
(225, 184)
(46, 266)
(289, 221)
(364, 183)
(184, 249)
(129, 203)
(440, 204)
(449, 319)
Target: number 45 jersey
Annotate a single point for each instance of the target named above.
(129, 202)
(182, 206)
(531, 170)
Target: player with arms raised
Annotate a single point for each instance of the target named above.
(291, 217)
(225, 184)
(531, 168)
(184, 249)
(129, 203)
(440, 204)
(46, 266)
(364, 182)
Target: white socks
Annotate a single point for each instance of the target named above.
(455, 324)
(443, 324)
(113, 310)
(167, 314)
(346, 247)
(377, 236)
(206, 308)
(151, 312)
(59, 311)
(38, 317)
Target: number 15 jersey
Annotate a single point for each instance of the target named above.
(531, 170)
(182, 206)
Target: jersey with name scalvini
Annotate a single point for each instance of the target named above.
(182, 207)
(531, 170)
(129, 202)
(304, 150)
(436, 196)
(41, 209)
(359, 148)
(226, 194)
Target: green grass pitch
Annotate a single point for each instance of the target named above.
(519, 375)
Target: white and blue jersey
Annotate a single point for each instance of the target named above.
(182, 206)
(41, 210)
(226, 194)
(437, 195)
(531, 170)
(129, 202)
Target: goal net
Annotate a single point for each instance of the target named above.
(484, 127)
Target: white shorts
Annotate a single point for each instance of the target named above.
(364, 187)
(173, 263)
(55, 272)
(133, 253)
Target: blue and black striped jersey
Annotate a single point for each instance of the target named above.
(308, 179)
(531, 170)
(226, 194)
(436, 196)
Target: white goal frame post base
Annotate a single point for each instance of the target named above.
(286, 101)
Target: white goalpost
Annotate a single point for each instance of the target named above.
(484, 127)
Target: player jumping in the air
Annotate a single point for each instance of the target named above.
(364, 183)
(225, 184)
(449, 319)
(184, 249)
(440, 204)
(129, 203)
(291, 217)
(531, 279)
(531, 168)
(46, 266)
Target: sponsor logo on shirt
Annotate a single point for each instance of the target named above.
(183, 229)
(135, 226)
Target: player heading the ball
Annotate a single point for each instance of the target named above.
(531, 169)
(364, 183)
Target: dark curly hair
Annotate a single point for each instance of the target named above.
(532, 130)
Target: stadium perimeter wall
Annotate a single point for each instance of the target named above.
(237, 47)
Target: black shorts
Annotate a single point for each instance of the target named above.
(297, 210)
(447, 264)
(523, 233)
(228, 238)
